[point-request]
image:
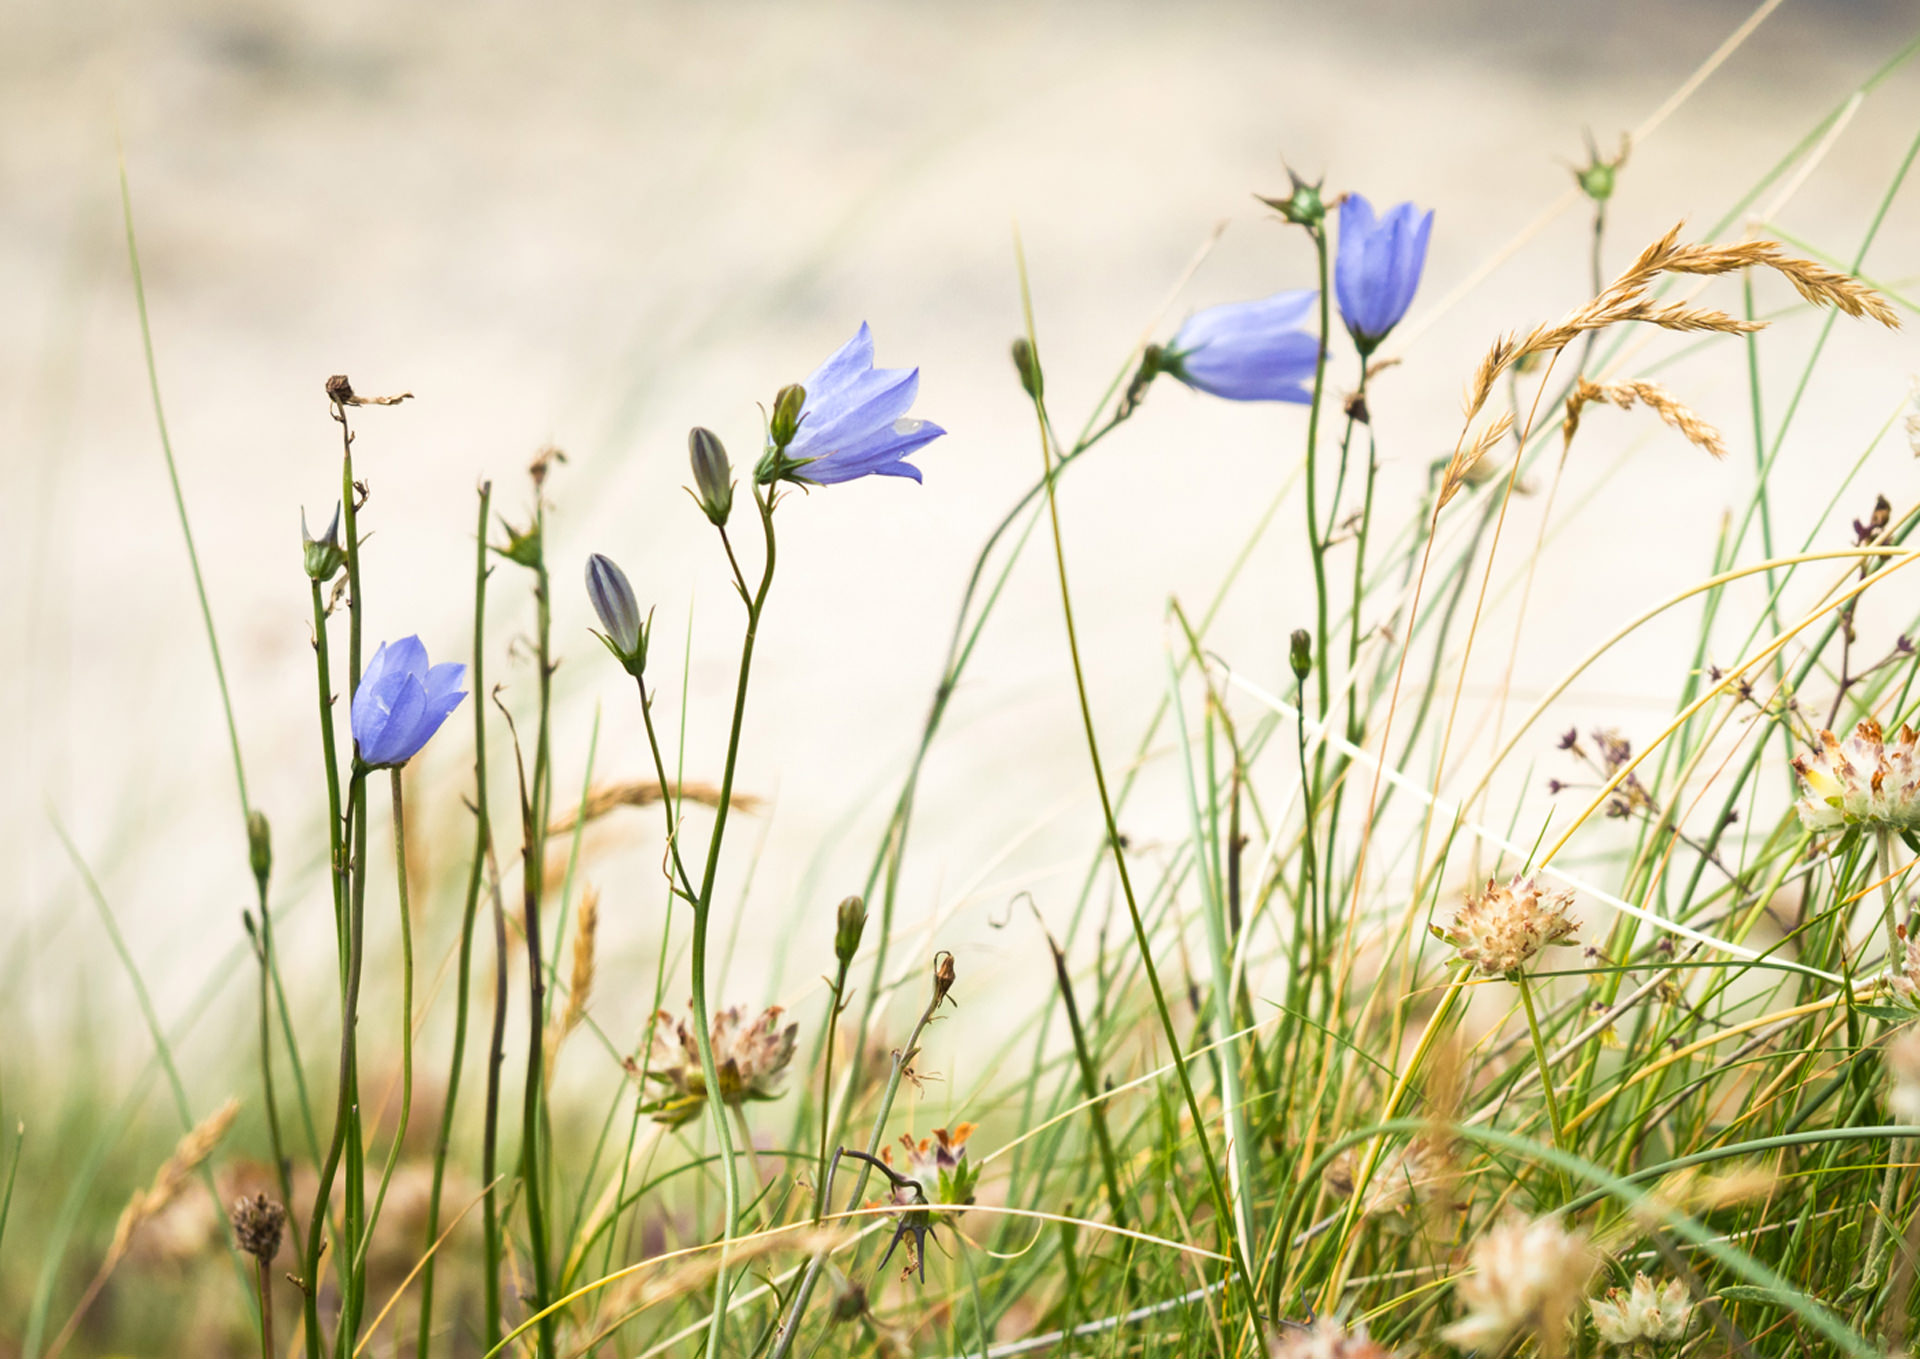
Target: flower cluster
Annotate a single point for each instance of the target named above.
(1865, 780)
(1650, 1314)
(750, 1060)
(402, 701)
(1500, 930)
(1526, 1276)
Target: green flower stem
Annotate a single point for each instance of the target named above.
(1222, 1205)
(703, 915)
(835, 1005)
(1540, 1057)
(345, 1121)
(893, 841)
(790, 1329)
(406, 1020)
(1314, 543)
(463, 968)
(355, 1152)
(490, 1125)
(532, 881)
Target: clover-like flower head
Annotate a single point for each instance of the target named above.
(1325, 1339)
(1502, 928)
(1525, 1276)
(1247, 351)
(1648, 1314)
(750, 1059)
(1865, 780)
(1379, 266)
(1902, 1056)
(853, 421)
(402, 701)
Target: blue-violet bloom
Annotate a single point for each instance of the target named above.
(854, 421)
(1378, 269)
(1248, 351)
(401, 702)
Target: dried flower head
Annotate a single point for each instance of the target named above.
(1498, 931)
(939, 1163)
(750, 1060)
(1526, 1276)
(1864, 780)
(933, 1172)
(1903, 973)
(1650, 1314)
(1417, 1172)
(1325, 1339)
(257, 1224)
(1903, 1065)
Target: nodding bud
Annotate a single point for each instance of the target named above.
(260, 847)
(323, 556)
(1300, 654)
(712, 474)
(786, 414)
(1027, 364)
(257, 1223)
(942, 977)
(1302, 206)
(612, 599)
(851, 924)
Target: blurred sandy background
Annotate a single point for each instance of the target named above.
(597, 223)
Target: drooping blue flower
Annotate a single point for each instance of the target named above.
(1248, 351)
(854, 421)
(402, 701)
(1378, 269)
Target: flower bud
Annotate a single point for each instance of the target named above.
(1597, 177)
(259, 847)
(1027, 364)
(712, 474)
(852, 923)
(1302, 206)
(1300, 654)
(323, 556)
(786, 414)
(612, 599)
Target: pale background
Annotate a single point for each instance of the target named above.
(597, 223)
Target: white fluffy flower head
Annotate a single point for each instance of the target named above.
(1648, 1314)
(1526, 1276)
(1865, 780)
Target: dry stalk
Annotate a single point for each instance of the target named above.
(579, 978)
(148, 1203)
(641, 793)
